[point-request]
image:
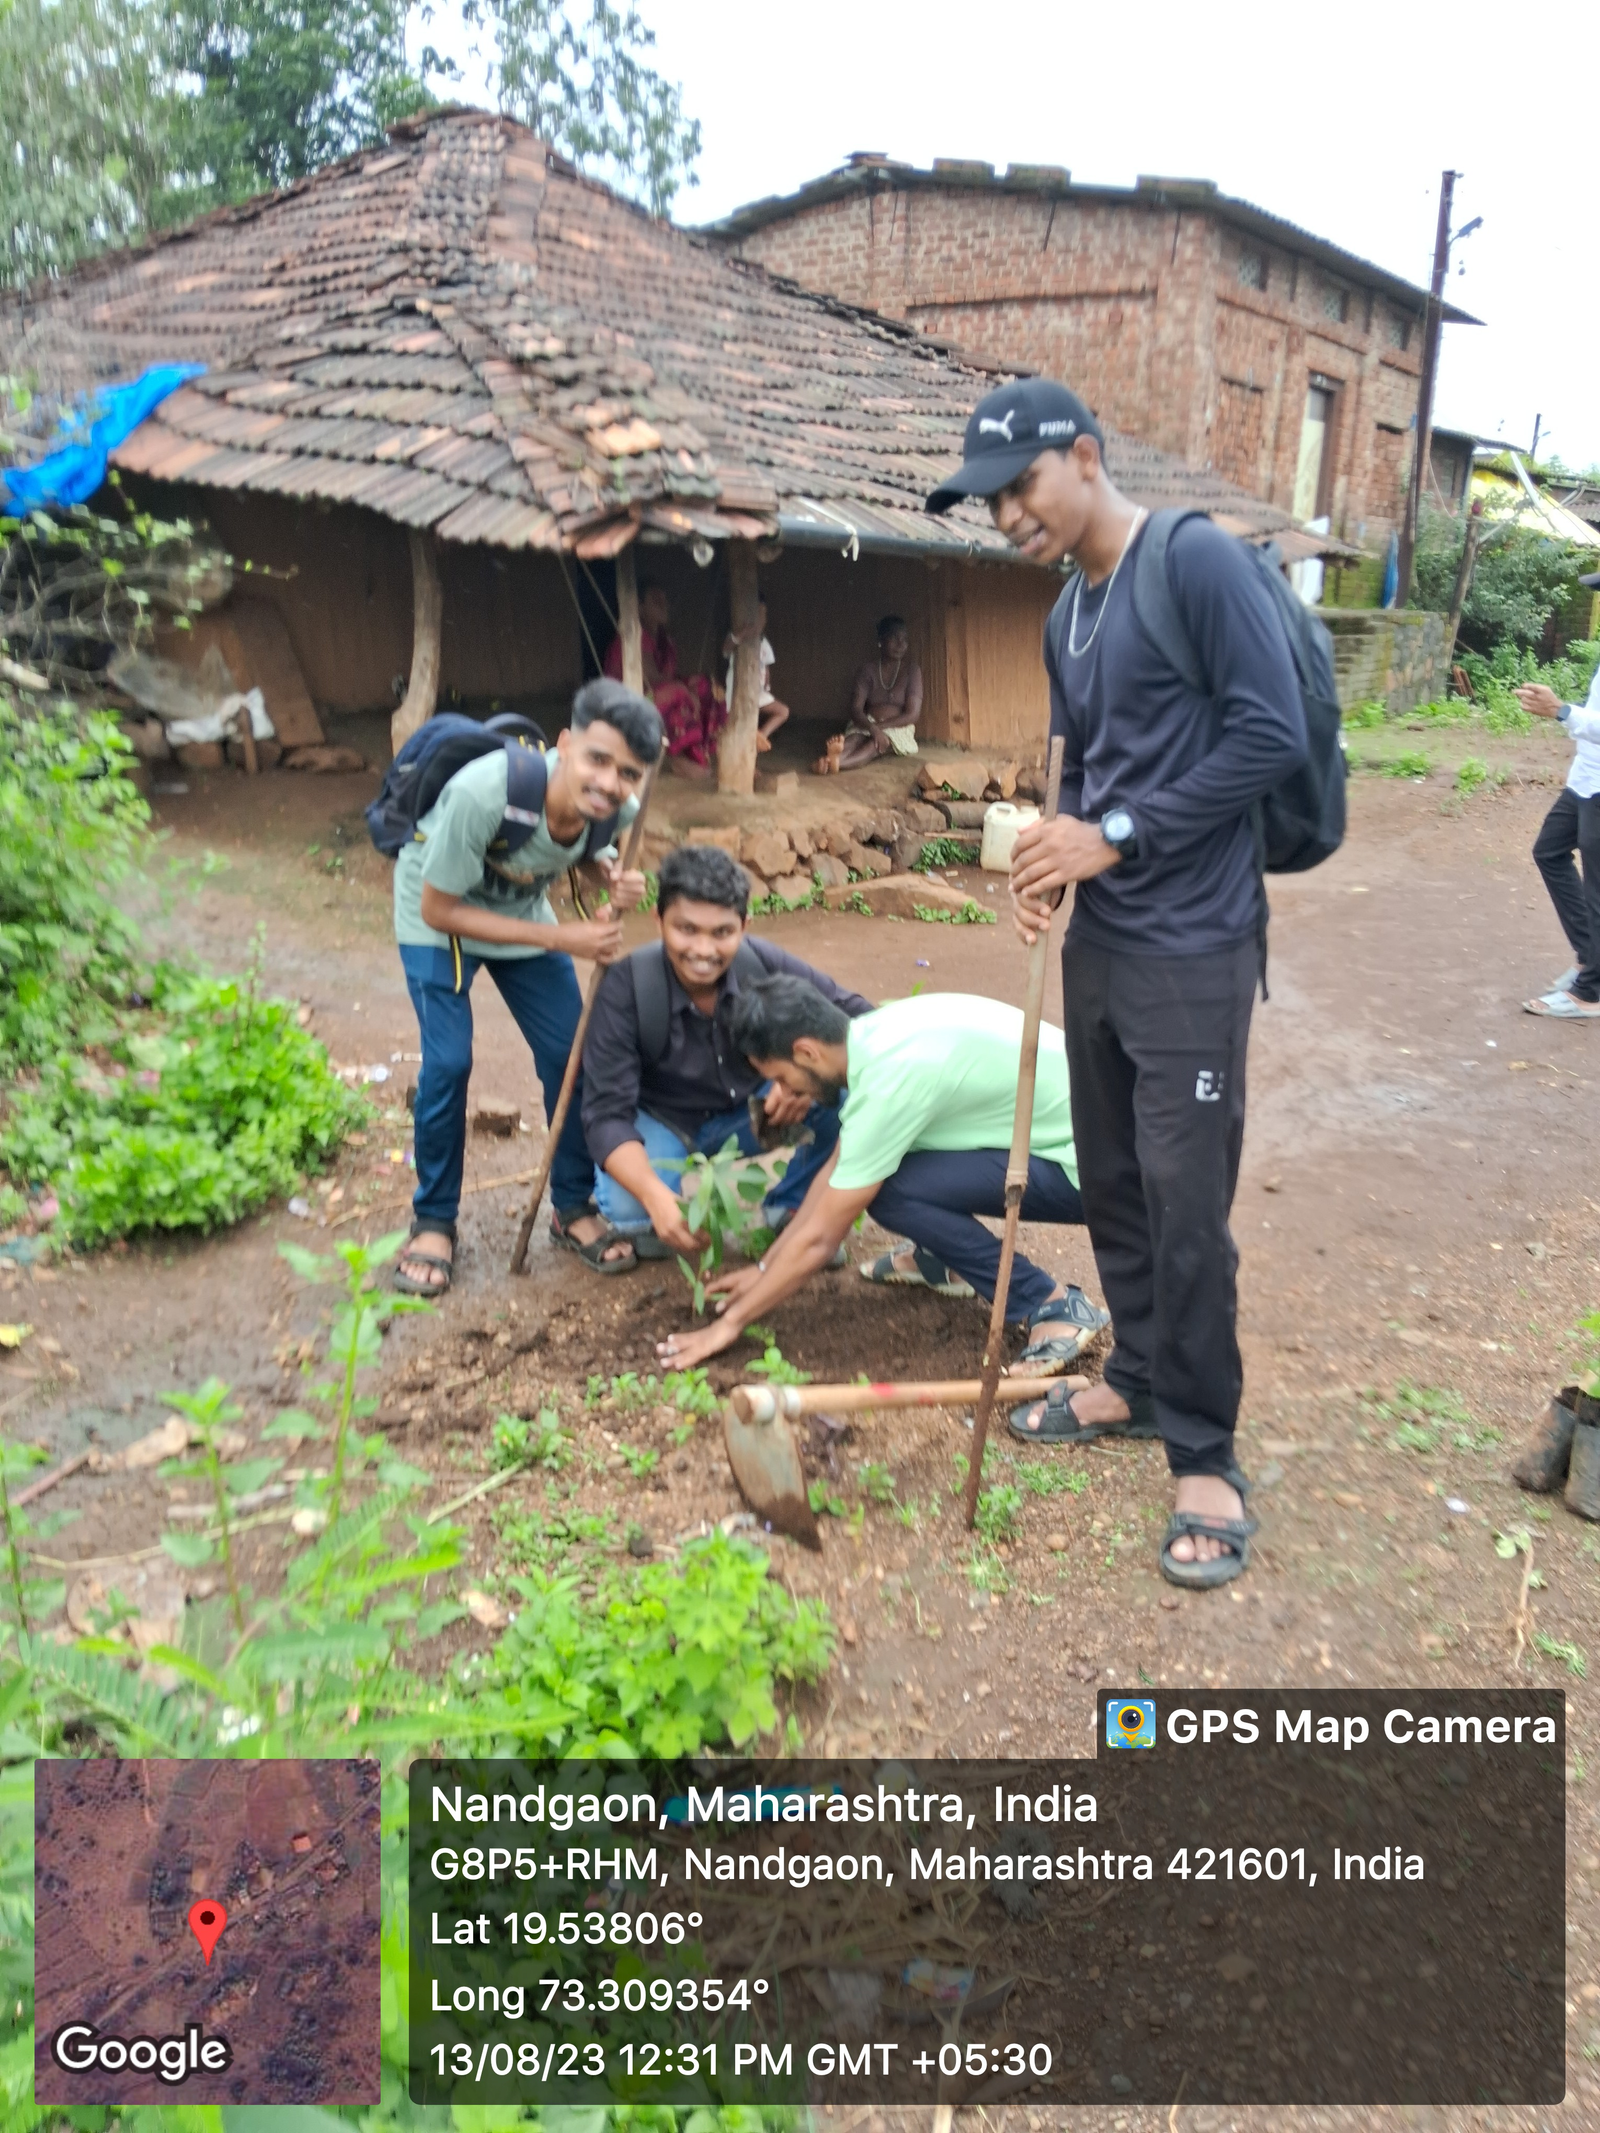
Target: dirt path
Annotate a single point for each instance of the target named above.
(1420, 1204)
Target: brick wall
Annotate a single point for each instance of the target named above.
(1174, 325)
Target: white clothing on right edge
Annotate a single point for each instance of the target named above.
(768, 661)
(1583, 723)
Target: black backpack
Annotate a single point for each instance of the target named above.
(1300, 822)
(648, 969)
(446, 743)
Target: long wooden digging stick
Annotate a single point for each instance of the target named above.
(558, 1117)
(1016, 1169)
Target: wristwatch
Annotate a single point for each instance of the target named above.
(1118, 831)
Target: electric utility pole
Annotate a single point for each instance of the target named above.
(1425, 384)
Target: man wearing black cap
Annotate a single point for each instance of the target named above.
(1163, 951)
(1573, 825)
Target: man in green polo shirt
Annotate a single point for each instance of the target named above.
(924, 1140)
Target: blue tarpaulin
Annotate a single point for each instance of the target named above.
(72, 474)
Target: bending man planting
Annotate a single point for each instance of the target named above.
(923, 1143)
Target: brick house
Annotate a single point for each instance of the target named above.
(1196, 322)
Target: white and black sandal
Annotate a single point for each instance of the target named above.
(927, 1271)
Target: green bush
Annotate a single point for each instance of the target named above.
(1521, 578)
(72, 828)
(199, 1107)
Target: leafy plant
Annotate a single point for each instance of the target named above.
(721, 1196)
(1366, 715)
(773, 905)
(1589, 1327)
(667, 1660)
(999, 1513)
(945, 852)
(1521, 577)
(517, 1441)
(776, 1368)
(1042, 1477)
(210, 1413)
(691, 1392)
(193, 1110)
(354, 1341)
(639, 1459)
(1409, 763)
(970, 914)
(1571, 1654)
(825, 1501)
(877, 1482)
(28, 1598)
(1472, 773)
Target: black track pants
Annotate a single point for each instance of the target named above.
(1573, 825)
(1156, 1050)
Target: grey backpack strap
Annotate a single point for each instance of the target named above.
(648, 968)
(1154, 606)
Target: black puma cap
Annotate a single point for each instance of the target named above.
(1008, 430)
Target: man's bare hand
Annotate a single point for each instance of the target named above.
(1031, 916)
(730, 1286)
(1051, 856)
(626, 888)
(593, 940)
(686, 1351)
(783, 1108)
(1540, 702)
(667, 1220)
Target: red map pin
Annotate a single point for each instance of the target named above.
(207, 1922)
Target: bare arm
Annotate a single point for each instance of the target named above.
(630, 1166)
(598, 940)
(807, 1245)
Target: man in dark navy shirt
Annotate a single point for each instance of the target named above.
(1163, 949)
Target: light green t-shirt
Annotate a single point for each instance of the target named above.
(449, 849)
(940, 1071)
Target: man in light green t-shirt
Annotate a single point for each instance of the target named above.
(471, 891)
(924, 1141)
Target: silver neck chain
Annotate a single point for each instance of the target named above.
(1074, 649)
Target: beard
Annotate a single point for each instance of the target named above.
(826, 1093)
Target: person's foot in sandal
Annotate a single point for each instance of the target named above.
(426, 1266)
(1563, 1007)
(1081, 1414)
(912, 1267)
(587, 1232)
(1060, 1331)
(1208, 1537)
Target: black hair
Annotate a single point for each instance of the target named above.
(770, 1015)
(703, 874)
(890, 622)
(606, 702)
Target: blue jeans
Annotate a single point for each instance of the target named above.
(667, 1153)
(542, 994)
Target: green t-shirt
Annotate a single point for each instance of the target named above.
(940, 1071)
(448, 851)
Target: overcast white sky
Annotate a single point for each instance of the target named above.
(1340, 120)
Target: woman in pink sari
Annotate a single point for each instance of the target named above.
(692, 712)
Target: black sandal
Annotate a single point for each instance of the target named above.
(1234, 1533)
(407, 1284)
(593, 1255)
(1059, 1424)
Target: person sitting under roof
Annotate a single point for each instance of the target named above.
(772, 713)
(885, 705)
(663, 1078)
(692, 712)
(924, 1141)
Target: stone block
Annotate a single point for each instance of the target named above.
(830, 872)
(803, 844)
(793, 889)
(785, 783)
(201, 755)
(767, 851)
(887, 825)
(1003, 780)
(965, 780)
(897, 896)
(932, 821)
(966, 814)
(867, 859)
(725, 840)
(907, 850)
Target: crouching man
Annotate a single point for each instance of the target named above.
(471, 892)
(924, 1140)
(663, 1077)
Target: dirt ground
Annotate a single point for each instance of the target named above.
(290, 1850)
(1419, 1205)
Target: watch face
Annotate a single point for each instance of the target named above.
(1118, 825)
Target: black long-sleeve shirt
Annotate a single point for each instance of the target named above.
(1188, 768)
(701, 1074)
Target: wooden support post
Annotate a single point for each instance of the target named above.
(1469, 561)
(427, 621)
(736, 754)
(247, 741)
(628, 622)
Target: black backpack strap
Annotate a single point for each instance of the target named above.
(1153, 605)
(652, 1001)
(525, 785)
